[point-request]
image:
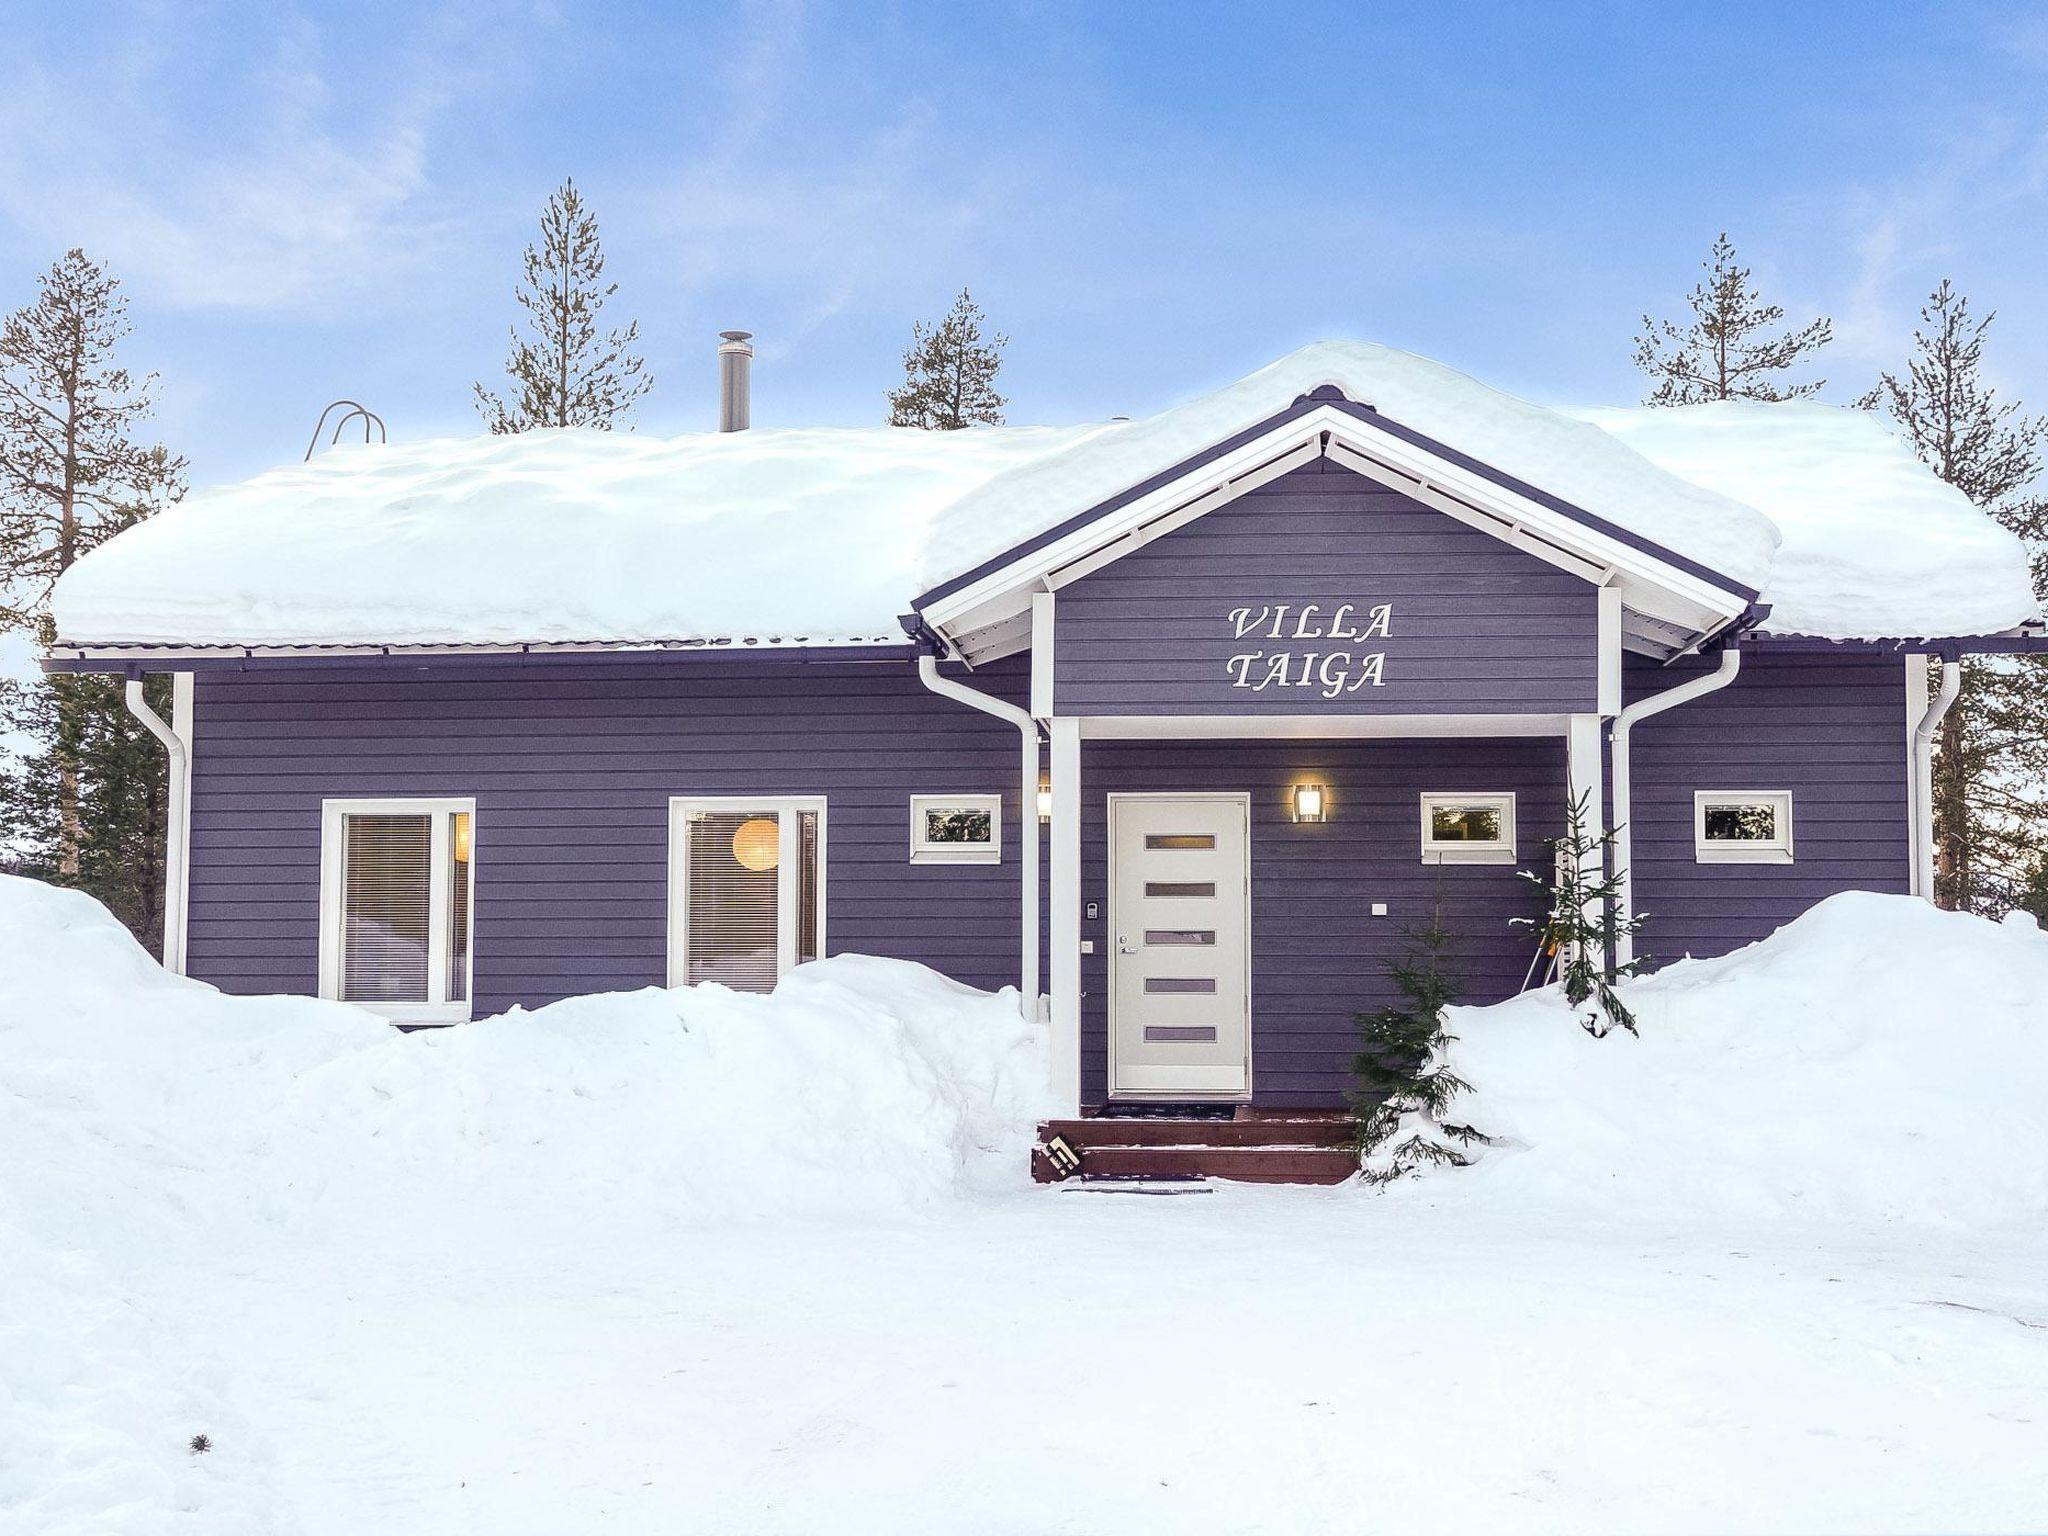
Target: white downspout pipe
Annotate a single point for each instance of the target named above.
(1643, 709)
(1027, 811)
(177, 838)
(1923, 777)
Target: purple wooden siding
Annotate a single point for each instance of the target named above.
(572, 765)
(1478, 626)
(1832, 730)
(1318, 956)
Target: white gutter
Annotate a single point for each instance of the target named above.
(178, 835)
(1643, 709)
(1027, 812)
(1923, 778)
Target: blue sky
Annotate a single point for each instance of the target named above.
(1150, 199)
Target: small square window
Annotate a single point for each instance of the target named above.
(956, 829)
(1468, 829)
(1742, 826)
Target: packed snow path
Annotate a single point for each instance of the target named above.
(1245, 1361)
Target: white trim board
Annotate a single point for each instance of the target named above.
(1296, 727)
(1646, 582)
(788, 874)
(436, 1009)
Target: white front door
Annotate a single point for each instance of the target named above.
(1180, 940)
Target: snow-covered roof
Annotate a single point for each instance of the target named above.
(562, 536)
(1875, 544)
(823, 536)
(1555, 452)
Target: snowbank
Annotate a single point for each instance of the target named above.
(1875, 1060)
(149, 1124)
(1875, 546)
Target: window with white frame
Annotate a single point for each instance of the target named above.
(397, 889)
(1468, 829)
(956, 829)
(746, 888)
(1742, 826)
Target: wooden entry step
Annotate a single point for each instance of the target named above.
(1251, 1146)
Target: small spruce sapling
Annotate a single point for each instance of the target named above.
(1405, 1088)
(1584, 921)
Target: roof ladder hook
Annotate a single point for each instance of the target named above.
(355, 410)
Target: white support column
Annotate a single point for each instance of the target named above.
(1066, 914)
(1608, 700)
(1042, 655)
(1583, 777)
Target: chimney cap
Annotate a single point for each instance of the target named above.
(736, 337)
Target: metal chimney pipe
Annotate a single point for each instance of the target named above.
(735, 380)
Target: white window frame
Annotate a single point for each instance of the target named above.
(923, 851)
(788, 873)
(1777, 850)
(1499, 851)
(436, 1009)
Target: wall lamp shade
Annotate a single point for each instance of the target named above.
(1309, 802)
(1044, 801)
(757, 844)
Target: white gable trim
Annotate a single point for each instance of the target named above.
(981, 619)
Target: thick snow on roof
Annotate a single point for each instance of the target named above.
(556, 536)
(823, 536)
(1555, 452)
(1874, 545)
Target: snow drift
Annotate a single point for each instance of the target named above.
(1874, 1060)
(151, 1125)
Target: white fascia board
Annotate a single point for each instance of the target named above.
(1649, 583)
(1009, 585)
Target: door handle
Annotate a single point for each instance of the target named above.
(1124, 946)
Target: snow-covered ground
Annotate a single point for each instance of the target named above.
(680, 1262)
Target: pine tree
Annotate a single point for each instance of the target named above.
(1584, 922)
(1405, 1086)
(1991, 755)
(567, 375)
(1724, 351)
(122, 780)
(71, 476)
(949, 373)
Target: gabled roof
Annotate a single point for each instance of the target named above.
(819, 538)
(1671, 600)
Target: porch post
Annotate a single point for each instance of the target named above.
(1583, 777)
(1066, 913)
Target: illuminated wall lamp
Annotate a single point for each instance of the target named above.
(1308, 802)
(1044, 800)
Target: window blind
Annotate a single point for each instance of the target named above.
(734, 896)
(386, 897)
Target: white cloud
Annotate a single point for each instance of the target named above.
(284, 200)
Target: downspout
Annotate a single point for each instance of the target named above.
(177, 836)
(1027, 811)
(1643, 709)
(1923, 776)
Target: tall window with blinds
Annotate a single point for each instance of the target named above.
(746, 889)
(396, 895)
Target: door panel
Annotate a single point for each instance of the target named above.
(1179, 1017)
